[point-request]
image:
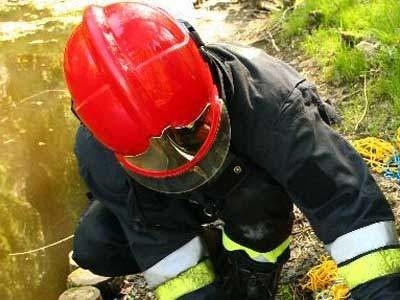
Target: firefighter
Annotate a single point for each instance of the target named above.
(175, 134)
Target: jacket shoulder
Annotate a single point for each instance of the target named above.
(255, 66)
(98, 166)
(257, 86)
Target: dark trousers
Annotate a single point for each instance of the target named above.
(100, 244)
(109, 247)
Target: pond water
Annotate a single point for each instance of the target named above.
(41, 195)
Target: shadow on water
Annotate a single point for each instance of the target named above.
(41, 195)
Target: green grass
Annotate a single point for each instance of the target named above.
(322, 26)
(285, 293)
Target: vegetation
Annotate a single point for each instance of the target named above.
(351, 39)
(356, 45)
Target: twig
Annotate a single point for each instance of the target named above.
(301, 231)
(273, 41)
(42, 248)
(281, 19)
(294, 294)
(273, 27)
(366, 104)
(41, 93)
(344, 97)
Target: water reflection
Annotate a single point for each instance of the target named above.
(41, 195)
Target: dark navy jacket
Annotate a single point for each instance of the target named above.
(280, 129)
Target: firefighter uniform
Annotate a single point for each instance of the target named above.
(282, 151)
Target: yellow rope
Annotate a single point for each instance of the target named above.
(376, 152)
(339, 291)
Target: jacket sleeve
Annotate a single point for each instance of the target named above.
(330, 183)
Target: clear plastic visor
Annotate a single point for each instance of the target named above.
(177, 147)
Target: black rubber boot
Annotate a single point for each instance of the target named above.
(245, 279)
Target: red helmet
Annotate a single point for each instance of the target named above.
(140, 84)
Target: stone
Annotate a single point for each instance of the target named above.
(369, 49)
(266, 5)
(81, 293)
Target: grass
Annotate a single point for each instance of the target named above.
(330, 30)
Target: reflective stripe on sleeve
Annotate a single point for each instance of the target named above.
(189, 281)
(270, 256)
(175, 263)
(371, 266)
(363, 240)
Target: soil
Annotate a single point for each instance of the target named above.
(249, 23)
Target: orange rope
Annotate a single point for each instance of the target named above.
(323, 279)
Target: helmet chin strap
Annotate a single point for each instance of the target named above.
(192, 32)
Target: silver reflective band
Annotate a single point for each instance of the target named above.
(175, 263)
(363, 240)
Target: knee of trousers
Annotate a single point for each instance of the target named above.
(87, 251)
(92, 253)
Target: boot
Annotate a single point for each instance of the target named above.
(242, 278)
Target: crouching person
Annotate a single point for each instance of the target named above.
(176, 134)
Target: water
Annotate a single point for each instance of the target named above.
(41, 195)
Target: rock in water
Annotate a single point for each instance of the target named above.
(81, 293)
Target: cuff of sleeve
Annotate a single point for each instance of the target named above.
(371, 266)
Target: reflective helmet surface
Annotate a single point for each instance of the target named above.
(137, 80)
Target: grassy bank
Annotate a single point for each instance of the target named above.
(350, 40)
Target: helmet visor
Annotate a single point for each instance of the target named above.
(179, 147)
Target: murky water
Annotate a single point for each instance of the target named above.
(41, 195)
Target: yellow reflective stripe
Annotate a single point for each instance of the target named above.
(192, 279)
(371, 266)
(270, 256)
